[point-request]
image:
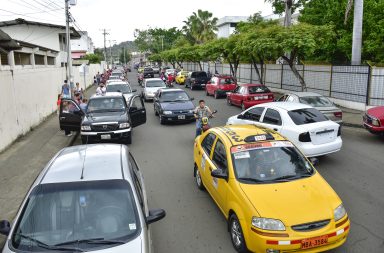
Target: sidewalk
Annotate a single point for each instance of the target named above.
(21, 163)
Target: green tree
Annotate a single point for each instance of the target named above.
(200, 27)
(93, 58)
(125, 56)
(323, 12)
(156, 40)
(279, 5)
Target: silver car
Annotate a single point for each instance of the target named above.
(88, 198)
(151, 86)
(320, 102)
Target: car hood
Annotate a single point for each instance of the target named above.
(172, 106)
(105, 117)
(152, 89)
(128, 96)
(377, 112)
(295, 202)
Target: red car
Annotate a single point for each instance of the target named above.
(248, 95)
(374, 120)
(219, 85)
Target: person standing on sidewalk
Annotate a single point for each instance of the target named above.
(79, 90)
(65, 90)
(98, 78)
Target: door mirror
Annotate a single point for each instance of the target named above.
(155, 215)
(218, 173)
(314, 161)
(240, 116)
(5, 227)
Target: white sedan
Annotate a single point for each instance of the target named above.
(313, 133)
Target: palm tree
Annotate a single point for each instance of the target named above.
(200, 27)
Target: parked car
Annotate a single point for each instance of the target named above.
(219, 85)
(181, 76)
(123, 87)
(156, 69)
(373, 120)
(312, 132)
(320, 102)
(88, 198)
(173, 105)
(151, 86)
(169, 72)
(271, 196)
(109, 118)
(148, 72)
(248, 95)
(196, 79)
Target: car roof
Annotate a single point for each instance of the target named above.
(153, 79)
(287, 106)
(251, 84)
(87, 163)
(118, 82)
(107, 94)
(306, 94)
(170, 90)
(236, 134)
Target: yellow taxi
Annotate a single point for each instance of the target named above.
(181, 76)
(140, 70)
(273, 198)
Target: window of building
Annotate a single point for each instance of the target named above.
(22, 58)
(4, 58)
(39, 59)
(51, 60)
(233, 24)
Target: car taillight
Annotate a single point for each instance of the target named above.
(339, 131)
(270, 96)
(304, 137)
(338, 114)
(249, 98)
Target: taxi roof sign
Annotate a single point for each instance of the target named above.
(259, 137)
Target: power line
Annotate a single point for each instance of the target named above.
(21, 14)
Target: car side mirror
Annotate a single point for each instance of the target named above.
(315, 161)
(192, 98)
(5, 227)
(240, 116)
(218, 173)
(134, 90)
(155, 215)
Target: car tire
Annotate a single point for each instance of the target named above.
(242, 106)
(215, 95)
(162, 122)
(156, 113)
(199, 181)
(237, 236)
(229, 101)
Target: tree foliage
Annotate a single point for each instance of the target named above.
(279, 5)
(200, 27)
(156, 40)
(93, 58)
(125, 56)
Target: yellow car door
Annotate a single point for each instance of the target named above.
(203, 159)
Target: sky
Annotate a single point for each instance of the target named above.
(122, 17)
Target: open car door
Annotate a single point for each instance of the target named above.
(70, 115)
(137, 112)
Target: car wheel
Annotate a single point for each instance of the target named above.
(216, 95)
(199, 181)
(229, 101)
(237, 236)
(156, 113)
(161, 120)
(242, 106)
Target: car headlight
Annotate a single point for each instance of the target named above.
(268, 224)
(124, 125)
(85, 128)
(375, 122)
(339, 212)
(167, 112)
(190, 111)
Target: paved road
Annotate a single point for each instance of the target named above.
(194, 223)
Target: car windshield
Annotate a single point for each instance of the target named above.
(316, 101)
(269, 162)
(80, 215)
(106, 104)
(228, 80)
(199, 74)
(172, 96)
(306, 116)
(124, 88)
(157, 83)
(258, 89)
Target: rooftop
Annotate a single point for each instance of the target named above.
(231, 19)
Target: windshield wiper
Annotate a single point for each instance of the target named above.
(251, 179)
(46, 246)
(92, 241)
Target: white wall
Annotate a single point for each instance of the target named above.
(223, 31)
(28, 95)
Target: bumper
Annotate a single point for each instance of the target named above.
(251, 103)
(176, 117)
(201, 85)
(106, 136)
(149, 95)
(374, 129)
(311, 150)
(336, 237)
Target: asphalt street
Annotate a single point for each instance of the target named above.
(194, 223)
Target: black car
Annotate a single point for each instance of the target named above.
(148, 72)
(173, 105)
(197, 79)
(108, 118)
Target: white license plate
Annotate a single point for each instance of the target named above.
(181, 117)
(105, 136)
(203, 84)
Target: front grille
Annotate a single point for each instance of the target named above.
(180, 112)
(105, 128)
(310, 226)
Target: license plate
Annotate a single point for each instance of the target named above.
(105, 136)
(203, 84)
(314, 242)
(181, 117)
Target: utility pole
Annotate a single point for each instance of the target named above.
(357, 32)
(105, 33)
(68, 42)
(125, 62)
(162, 42)
(110, 50)
(288, 13)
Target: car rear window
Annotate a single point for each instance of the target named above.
(316, 101)
(306, 116)
(258, 89)
(148, 69)
(199, 74)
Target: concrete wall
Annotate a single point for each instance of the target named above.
(28, 95)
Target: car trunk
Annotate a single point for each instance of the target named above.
(331, 113)
(260, 96)
(322, 132)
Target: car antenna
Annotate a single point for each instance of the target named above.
(85, 154)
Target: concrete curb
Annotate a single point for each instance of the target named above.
(352, 125)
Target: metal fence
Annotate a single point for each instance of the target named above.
(363, 84)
